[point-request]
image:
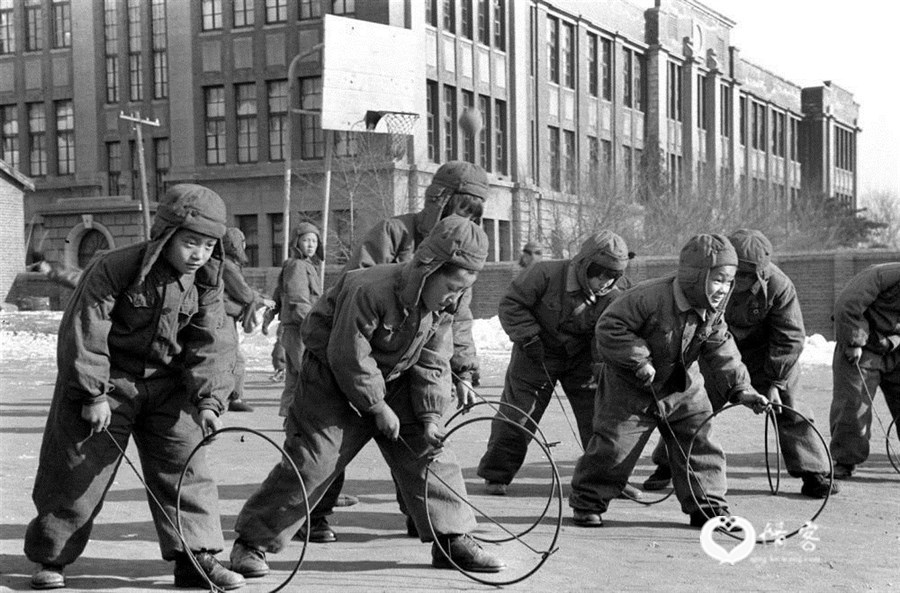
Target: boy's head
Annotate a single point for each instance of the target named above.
(754, 253)
(706, 269)
(449, 260)
(189, 224)
(531, 253)
(600, 262)
(458, 187)
(306, 242)
(234, 244)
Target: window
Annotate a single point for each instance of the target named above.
(135, 169)
(606, 163)
(725, 111)
(34, 25)
(701, 102)
(276, 232)
(65, 138)
(553, 48)
(89, 244)
(345, 144)
(114, 168)
(214, 99)
(742, 120)
(309, 9)
(111, 44)
(135, 80)
(484, 138)
(449, 123)
(593, 159)
(778, 134)
(312, 139)
(592, 66)
(61, 20)
(278, 113)
(795, 138)
(638, 82)
(276, 11)
(248, 225)
(245, 113)
(9, 135)
(553, 137)
(37, 131)
(7, 27)
(758, 124)
(160, 58)
(468, 144)
(606, 45)
(431, 106)
(430, 12)
(210, 15)
(466, 23)
(162, 160)
(673, 103)
(500, 136)
(844, 149)
(568, 55)
(628, 89)
(484, 32)
(450, 16)
(242, 12)
(627, 166)
(499, 25)
(568, 161)
(345, 7)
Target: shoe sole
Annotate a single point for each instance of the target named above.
(583, 523)
(480, 569)
(48, 586)
(249, 575)
(660, 485)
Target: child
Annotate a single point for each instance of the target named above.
(549, 312)
(240, 301)
(531, 254)
(763, 315)
(649, 340)
(140, 352)
(377, 367)
(299, 287)
(866, 356)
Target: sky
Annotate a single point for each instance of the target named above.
(853, 44)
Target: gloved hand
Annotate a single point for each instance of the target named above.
(388, 423)
(534, 349)
(752, 399)
(433, 435)
(853, 354)
(774, 397)
(646, 373)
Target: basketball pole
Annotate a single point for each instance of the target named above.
(288, 159)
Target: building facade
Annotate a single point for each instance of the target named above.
(578, 100)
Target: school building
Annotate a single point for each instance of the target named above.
(576, 98)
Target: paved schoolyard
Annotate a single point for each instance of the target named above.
(640, 548)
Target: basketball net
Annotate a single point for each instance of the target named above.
(398, 126)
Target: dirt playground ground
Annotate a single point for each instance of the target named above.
(854, 546)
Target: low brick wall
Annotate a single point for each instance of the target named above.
(818, 276)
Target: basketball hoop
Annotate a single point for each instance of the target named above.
(397, 124)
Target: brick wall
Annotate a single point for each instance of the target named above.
(819, 277)
(12, 235)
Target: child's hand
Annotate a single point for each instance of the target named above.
(209, 422)
(388, 423)
(465, 395)
(853, 354)
(753, 400)
(97, 415)
(646, 374)
(774, 397)
(433, 435)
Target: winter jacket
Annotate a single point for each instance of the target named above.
(867, 311)
(238, 294)
(371, 329)
(552, 300)
(299, 283)
(133, 314)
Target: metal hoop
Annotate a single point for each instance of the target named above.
(887, 445)
(770, 418)
(761, 540)
(399, 126)
(555, 490)
(207, 439)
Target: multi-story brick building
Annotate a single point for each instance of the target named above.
(576, 97)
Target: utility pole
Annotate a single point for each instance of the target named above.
(135, 118)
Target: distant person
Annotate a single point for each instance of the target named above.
(649, 340)
(141, 353)
(241, 300)
(763, 315)
(377, 368)
(549, 312)
(59, 273)
(279, 360)
(531, 254)
(866, 357)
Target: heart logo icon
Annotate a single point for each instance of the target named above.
(731, 524)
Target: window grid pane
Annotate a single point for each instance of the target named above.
(276, 11)
(500, 136)
(61, 19)
(450, 147)
(211, 15)
(278, 106)
(65, 138)
(247, 135)
(312, 139)
(215, 125)
(310, 9)
(9, 130)
(7, 27)
(162, 161)
(34, 25)
(243, 13)
(114, 168)
(37, 129)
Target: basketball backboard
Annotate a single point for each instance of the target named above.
(368, 67)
